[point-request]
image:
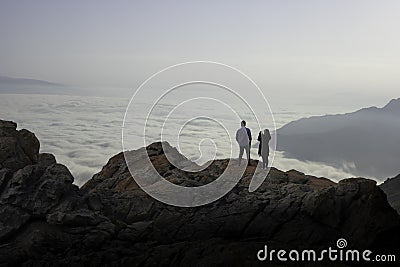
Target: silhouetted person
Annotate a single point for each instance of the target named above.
(263, 147)
(243, 137)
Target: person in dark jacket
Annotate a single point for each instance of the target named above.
(243, 137)
(263, 146)
(250, 138)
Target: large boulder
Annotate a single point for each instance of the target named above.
(17, 148)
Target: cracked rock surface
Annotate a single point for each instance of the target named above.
(46, 220)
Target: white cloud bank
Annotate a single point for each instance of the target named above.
(84, 132)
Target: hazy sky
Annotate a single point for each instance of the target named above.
(335, 47)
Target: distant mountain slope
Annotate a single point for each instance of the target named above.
(19, 81)
(392, 189)
(366, 142)
(11, 85)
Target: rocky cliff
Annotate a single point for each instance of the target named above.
(46, 220)
(391, 187)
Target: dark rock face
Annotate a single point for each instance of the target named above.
(392, 189)
(46, 220)
(18, 148)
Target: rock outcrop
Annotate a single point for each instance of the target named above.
(46, 220)
(392, 189)
(18, 148)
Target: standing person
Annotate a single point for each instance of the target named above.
(249, 135)
(243, 137)
(263, 147)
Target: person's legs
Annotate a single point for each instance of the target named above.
(248, 154)
(265, 162)
(241, 150)
(248, 157)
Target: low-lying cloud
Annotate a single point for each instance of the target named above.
(84, 132)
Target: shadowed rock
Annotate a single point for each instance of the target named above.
(17, 148)
(392, 189)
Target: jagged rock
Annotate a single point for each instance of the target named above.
(31, 193)
(46, 159)
(391, 187)
(17, 148)
(46, 220)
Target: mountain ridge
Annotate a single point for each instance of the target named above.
(26, 81)
(366, 138)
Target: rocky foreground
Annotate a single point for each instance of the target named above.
(46, 220)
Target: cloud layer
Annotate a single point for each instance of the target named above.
(84, 132)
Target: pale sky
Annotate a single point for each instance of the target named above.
(288, 47)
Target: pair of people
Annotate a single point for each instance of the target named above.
(243, 137)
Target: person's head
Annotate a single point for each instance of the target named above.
(243, 123)
(266, 131)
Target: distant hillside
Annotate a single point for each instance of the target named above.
(10, 85)
(19, 81)
(365, 142)
(392, 189)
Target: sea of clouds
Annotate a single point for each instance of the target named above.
(84, 132)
